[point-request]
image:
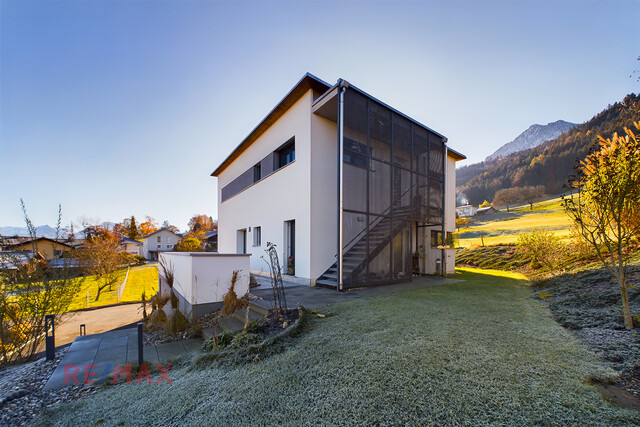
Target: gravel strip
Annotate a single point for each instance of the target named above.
(21, 395)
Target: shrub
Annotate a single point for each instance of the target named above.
(543, 247)
(244, 339)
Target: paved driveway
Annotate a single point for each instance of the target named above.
(96, 321)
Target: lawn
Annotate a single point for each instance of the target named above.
(477, 352)
(141, 278)
(504, 228)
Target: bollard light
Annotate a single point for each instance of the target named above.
(140, 355)
(50, 340)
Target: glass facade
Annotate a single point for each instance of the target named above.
(393, 181)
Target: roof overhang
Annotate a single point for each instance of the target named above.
(308, 81)
(455, 155)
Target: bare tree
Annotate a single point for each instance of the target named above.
(103, 258)
(30, 289)
(506, 197)
(532, 194)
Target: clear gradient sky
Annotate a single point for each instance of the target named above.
(119, 108)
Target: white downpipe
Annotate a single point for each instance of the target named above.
(340, 182)
(443, 273)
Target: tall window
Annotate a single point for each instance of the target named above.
(257, 172)
(257, 236)
(286, 154)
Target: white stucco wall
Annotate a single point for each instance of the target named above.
(324, 197)
(132, 248)
(204, 277)
(280, 197)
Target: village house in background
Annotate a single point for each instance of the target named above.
(162, 240)
(378, 215)
(465, 211)
(487, 210)
(131, 246)
(46, 247)
(211, 241)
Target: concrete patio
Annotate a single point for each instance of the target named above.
(312, 297)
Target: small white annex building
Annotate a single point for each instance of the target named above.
(162, 240)
(131, 246)
(352, 192)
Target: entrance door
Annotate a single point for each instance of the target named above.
(290, 246)
(241, 241)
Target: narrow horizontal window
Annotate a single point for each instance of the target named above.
(286, 155)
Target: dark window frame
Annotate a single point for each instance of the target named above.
(285, 155)
(257, 172)
(257, 236)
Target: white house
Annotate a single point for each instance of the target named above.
(375, 216)
(131, 246)
(465, 211)
(162, 240)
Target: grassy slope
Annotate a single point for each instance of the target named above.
(504, 228)
(140, 278)
(476, 353)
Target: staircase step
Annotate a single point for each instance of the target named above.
(324, 283)
(240, 314)
(259, 309)
(332, 276)
(208, 333)
(231, 324)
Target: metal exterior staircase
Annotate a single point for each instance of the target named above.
(355, 260)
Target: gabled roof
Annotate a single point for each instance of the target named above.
(308, 81)
(128, 240)
(157, 231)
(39, 239)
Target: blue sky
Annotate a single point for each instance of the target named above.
(119, 108)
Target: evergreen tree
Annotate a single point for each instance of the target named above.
(132, 229)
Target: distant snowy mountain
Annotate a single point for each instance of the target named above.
(41, 231)
(47, 231)
(532, 137)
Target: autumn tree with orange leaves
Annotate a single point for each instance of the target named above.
(202, 224)
(148, 226)
(607, 206)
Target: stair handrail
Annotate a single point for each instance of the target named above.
(368, 226)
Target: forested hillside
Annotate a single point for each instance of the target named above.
(548, 164)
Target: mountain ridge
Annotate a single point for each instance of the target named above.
(549, 164)
(535, 135)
